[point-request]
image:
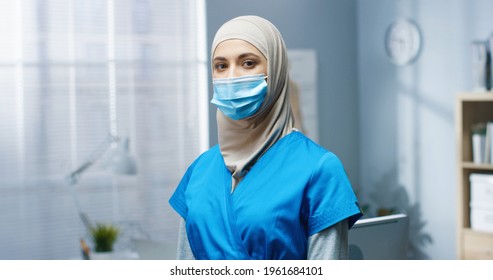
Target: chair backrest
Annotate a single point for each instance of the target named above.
(379, 238)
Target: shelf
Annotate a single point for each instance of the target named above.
(480, 97)
(472, 108)
(472, 165)
(471, 232)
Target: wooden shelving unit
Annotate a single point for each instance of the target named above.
(471, 109)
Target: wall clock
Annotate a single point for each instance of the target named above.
(403, 42)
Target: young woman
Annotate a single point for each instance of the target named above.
(265, 191)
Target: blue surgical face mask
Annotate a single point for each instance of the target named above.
(241, 97)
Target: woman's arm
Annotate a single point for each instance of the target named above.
(184, 252)
(330, 243)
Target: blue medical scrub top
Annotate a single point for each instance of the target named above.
(296, 189)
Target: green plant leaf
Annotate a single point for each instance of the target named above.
(104, 236)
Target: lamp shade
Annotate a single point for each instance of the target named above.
(119, 160)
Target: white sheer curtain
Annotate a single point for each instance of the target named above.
(71, 73)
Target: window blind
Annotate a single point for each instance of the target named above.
(72, 72)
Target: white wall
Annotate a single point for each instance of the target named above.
(407, 125)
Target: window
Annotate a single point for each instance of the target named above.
(72, 72)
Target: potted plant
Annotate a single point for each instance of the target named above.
(104, 237)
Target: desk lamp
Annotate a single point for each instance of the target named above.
(116, 159)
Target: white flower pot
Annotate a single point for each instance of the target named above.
(102, 255)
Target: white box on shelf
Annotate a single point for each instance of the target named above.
(481, 189)
(481, 217)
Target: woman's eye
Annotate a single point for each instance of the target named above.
(249, 63)
(220, 66)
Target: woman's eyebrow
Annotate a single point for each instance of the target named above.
(241, 56)
(219, 58)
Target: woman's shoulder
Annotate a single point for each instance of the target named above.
(207, 160)
(303, 145)
(300, 152)
(211, 153)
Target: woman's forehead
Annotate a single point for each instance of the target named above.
(235, 47)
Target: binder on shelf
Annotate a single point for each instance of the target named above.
(478, 143)
(490, 140)
(478, 148)
(487, 146)
(482, 143)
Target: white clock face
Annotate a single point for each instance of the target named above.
(403, 42)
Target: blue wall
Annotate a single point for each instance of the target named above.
(329, 27)
(407, 113)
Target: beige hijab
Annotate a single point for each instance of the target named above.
(243, 142)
